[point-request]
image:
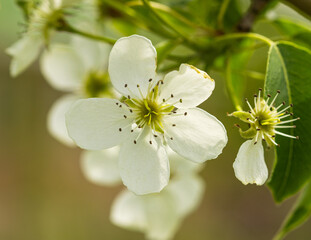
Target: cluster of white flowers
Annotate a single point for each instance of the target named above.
(145, 127)
(138, 131)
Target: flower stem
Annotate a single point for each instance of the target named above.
(256, 36)
(73, 30)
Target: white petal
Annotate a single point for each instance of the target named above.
(163, 219)
(187, 191)
(132, 61)
(95, 123)
(180, 165)
(144, 167)
(249, 165)
(197, 136)
(56, 119)
(24, 52)
(190, 84)
(101, 167)
(94, 54)
(128, 211)
(63, 68)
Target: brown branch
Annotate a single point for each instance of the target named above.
(256, 8)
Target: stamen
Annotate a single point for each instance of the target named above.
(285, 135)
(292, 126)
(282, 104)
(276, 95)
(185, 113)
(257, 134)
(258, 101)
(288, 121)
(285, 116)
(268, 98)
(140, 92)
(271, 139)
(120, 129)
(255, 102)
(291, 105)
(250, 107)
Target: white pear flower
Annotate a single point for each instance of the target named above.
(44, 17)
(264, 120)
(152, 114)
(80, 68)
(157, 215)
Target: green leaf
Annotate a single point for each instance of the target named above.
(288, 70)
(298, 215)
(297, 31)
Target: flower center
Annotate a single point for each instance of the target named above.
(149, 111)
(264, 119)
(97, 85)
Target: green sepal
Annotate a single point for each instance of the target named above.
(243, 116)
(250, 133)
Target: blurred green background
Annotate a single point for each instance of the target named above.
(44, 196)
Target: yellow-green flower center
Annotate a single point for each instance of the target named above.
(97, 85)
(149, 111)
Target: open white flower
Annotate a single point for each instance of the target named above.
(153, 113)
(43, 18)
(264, 120)
(80, 68)
(158, 215)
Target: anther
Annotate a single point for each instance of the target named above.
(173, 125)
(117, 103)
(255, 143)
(237, 125)
(257, 129)
(171, 138)
(120, 129)
(132, 130)
(135, 142)
(155, 135)
(297, 137)
(172, 95)
(163, 100)
(150, 142)
(291, 105)
(278, 91)
(269, 96)
(180, 100)
(162, 82)
(260, 89)
(255, 95)
(185, 113)
(138, 85)
(125, 85)
(131, 110)
(128, 96)
(150, 79)
(120, 105)
(124, 116)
